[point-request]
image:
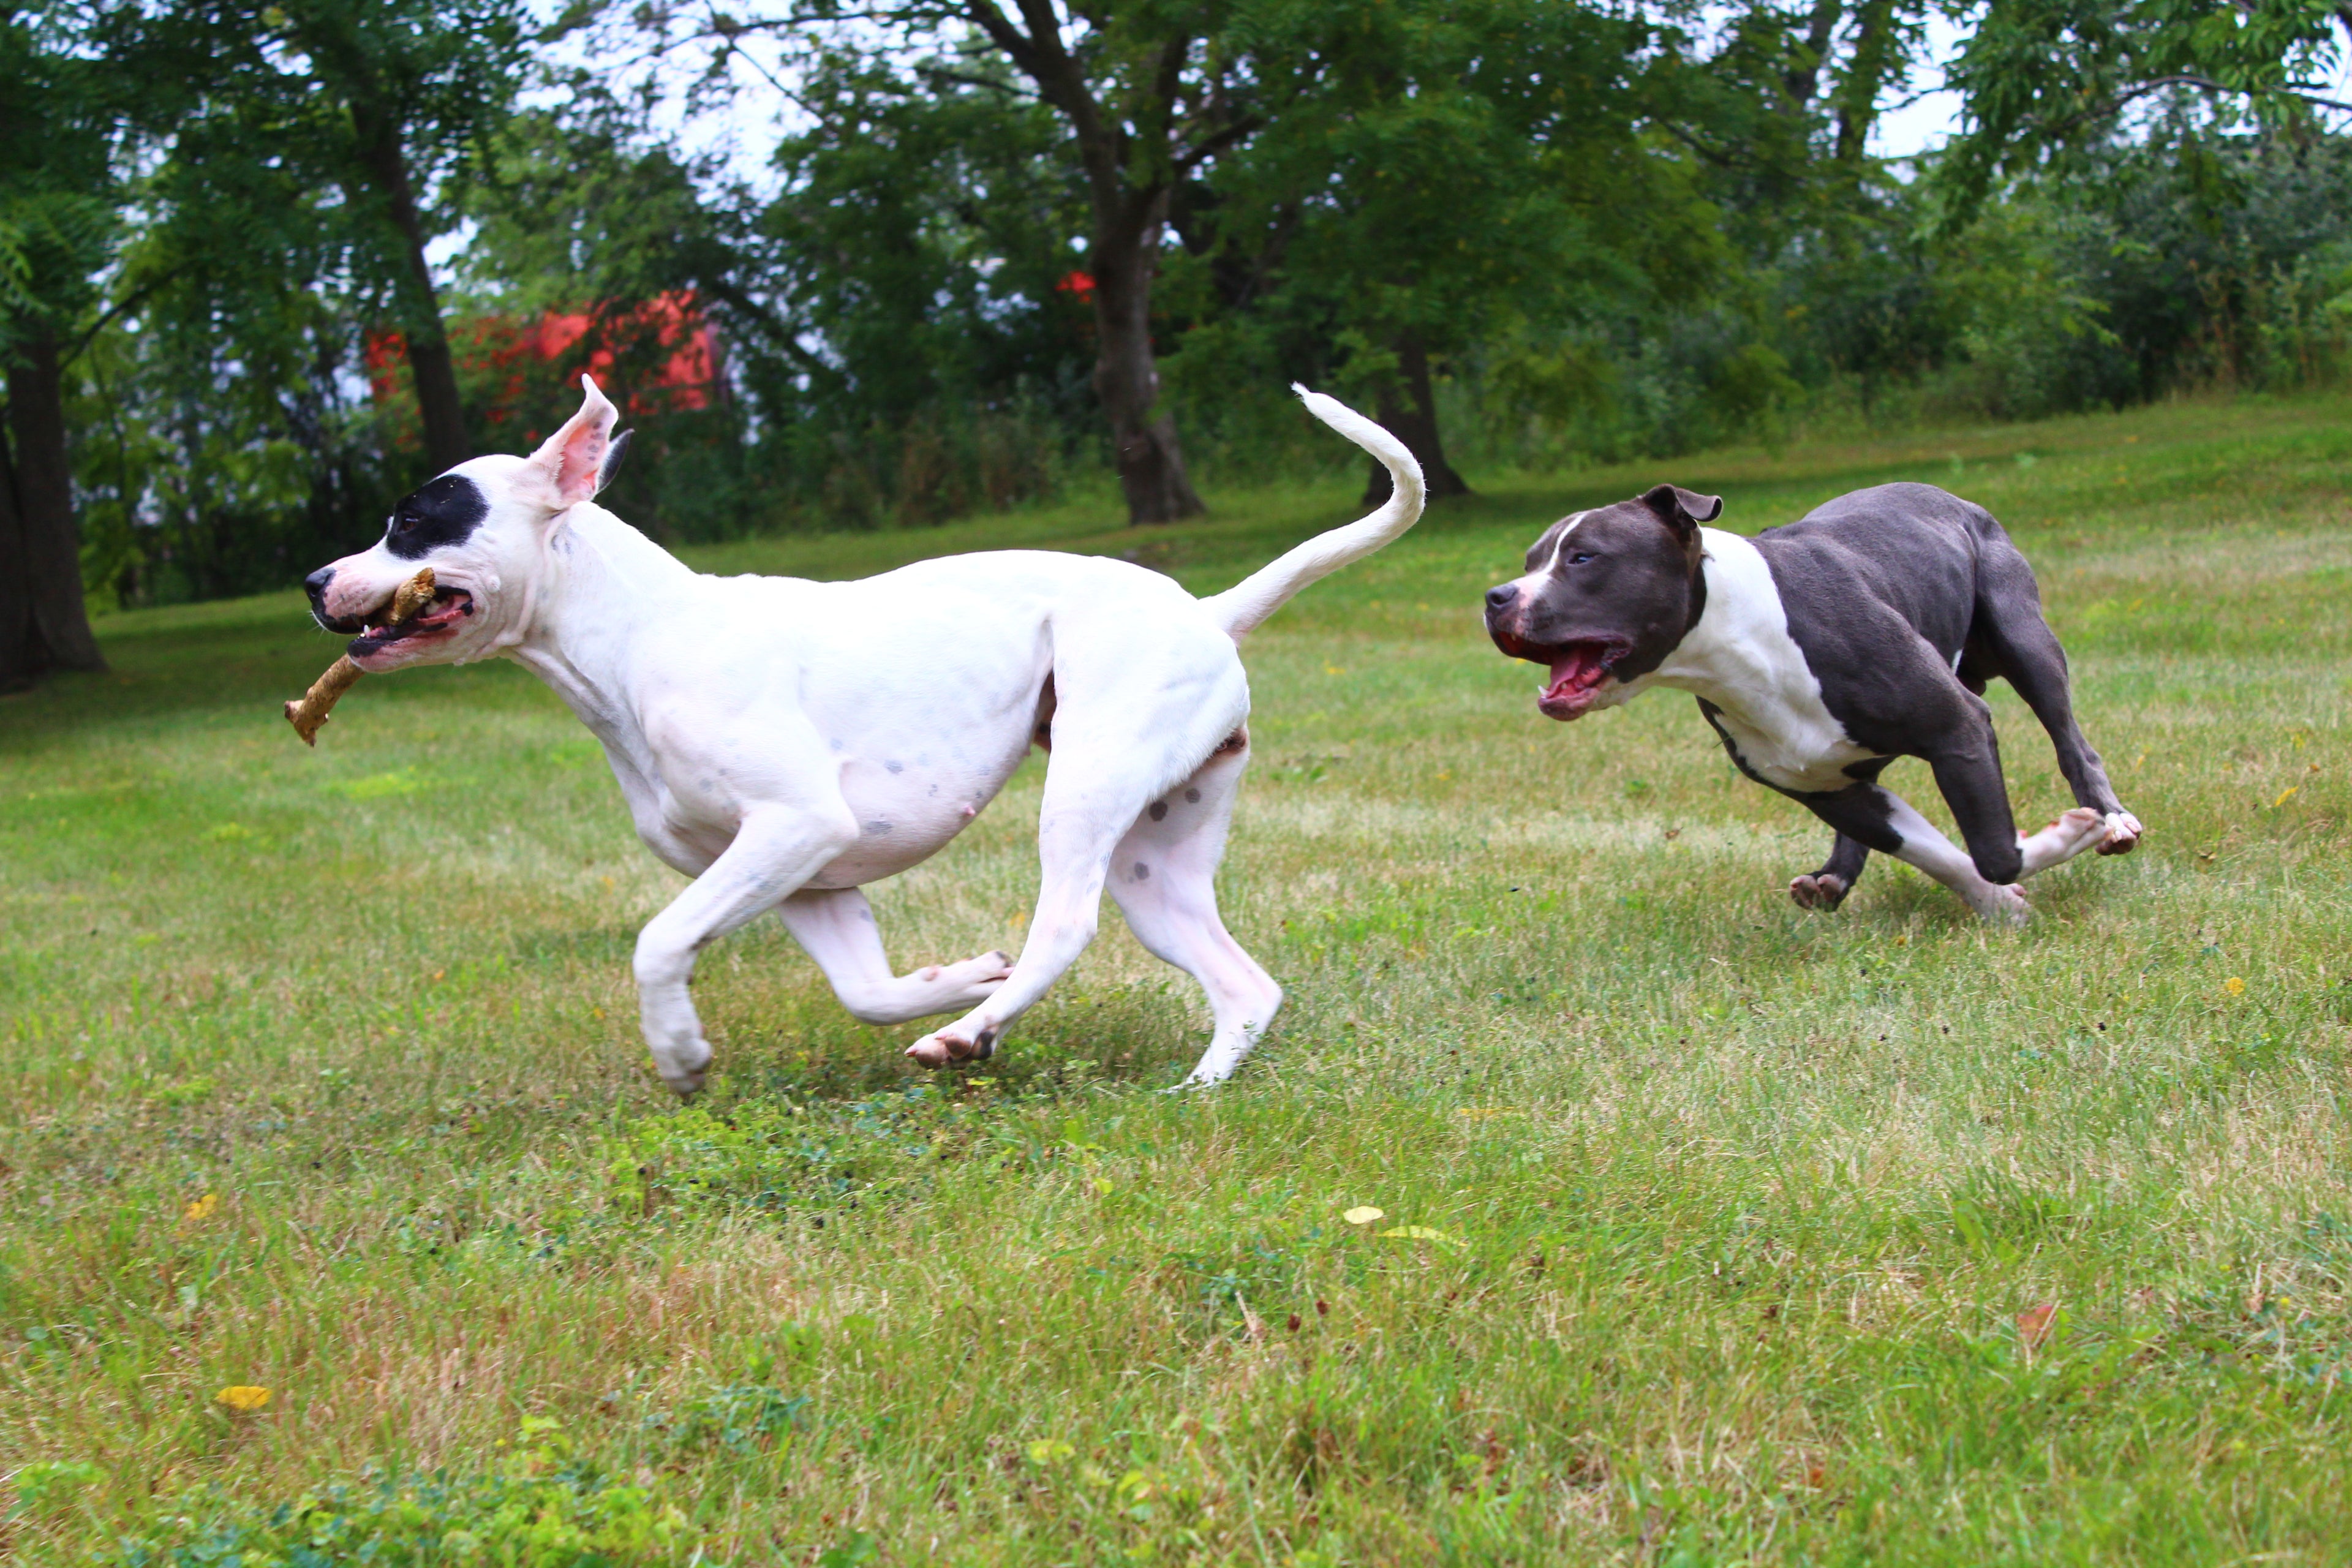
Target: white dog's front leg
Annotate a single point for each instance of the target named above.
(836, 928)
(775, 850)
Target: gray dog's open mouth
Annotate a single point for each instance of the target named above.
(450, 606)
(1578, 670)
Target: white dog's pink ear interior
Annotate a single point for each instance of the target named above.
(573, 458)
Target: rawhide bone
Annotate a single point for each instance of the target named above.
(306, 714)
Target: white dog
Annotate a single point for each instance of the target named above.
(784, 742)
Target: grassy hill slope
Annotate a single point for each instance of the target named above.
(1712, 1230)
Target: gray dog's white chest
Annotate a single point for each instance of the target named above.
(1741, 659)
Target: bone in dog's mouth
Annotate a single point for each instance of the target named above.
(449, 606)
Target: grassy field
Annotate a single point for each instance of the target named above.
(1713, 1231)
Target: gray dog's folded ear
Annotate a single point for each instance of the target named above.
(1702, 509)
(613, 456)
(1682, 509)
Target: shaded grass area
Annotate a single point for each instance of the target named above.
(1711, 1230)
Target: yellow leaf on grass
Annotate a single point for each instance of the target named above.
(1364, 1215)
(243, 1397)
(202, 1208)
(2283, 796)
(1049, 1450)
(1419, 1233)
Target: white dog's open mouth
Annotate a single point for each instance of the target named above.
(450, 606)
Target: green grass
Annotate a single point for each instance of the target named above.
(322, 1076)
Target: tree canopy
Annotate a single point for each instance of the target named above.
(264, 266)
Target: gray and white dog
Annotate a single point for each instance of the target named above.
(1820, 652)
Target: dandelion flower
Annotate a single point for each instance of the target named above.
(202, 1208)
(243, 1398)
(2234, 986)
(1418, 1233)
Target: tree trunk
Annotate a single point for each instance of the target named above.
(1151, 462)
(1408, 411)
(42, 624)
(431, 365)
(1803, 78)
(1857, 98)
(20, 660)
(1128, 188)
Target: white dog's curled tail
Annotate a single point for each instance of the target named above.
(1245, 606)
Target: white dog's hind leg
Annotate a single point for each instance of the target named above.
(1163, 875)
(836, 928)
(1075, 838)
(775, 850)
(2073, 832)
(1138, 703)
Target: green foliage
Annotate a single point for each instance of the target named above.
(2046, 82)
(1459, 176)
(220, 446)
(775, 1154)
(59, 185)
(539, 1509)
(1614, 232)
(740, 1416)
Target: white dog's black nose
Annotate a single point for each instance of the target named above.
(1500, 598)
(316, 583)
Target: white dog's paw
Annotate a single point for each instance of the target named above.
(2073, 832)
(1818, 892)
(683, 1066)
(2123, 833)
(973, 978)
(2001, 906)
(948, 1046)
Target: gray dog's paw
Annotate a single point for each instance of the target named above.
(2123, 834)
(1818, 892)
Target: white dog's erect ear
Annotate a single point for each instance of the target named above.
(573, 458)
(614, 455)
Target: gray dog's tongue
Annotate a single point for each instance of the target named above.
(1577, 669)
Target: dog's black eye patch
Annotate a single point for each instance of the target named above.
(445, 512)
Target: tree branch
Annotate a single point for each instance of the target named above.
(1015, 44)
(935, 73)
(1209, 147)
(2204, 84)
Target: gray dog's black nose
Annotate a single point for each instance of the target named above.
(1500, 598)
(316, 583)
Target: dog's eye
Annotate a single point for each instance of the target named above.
(1580, 558)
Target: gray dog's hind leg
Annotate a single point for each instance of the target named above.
(2010, 638)
(1827, 887)
(1968, 775)
(1875, 817)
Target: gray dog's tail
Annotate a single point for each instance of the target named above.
(1245, 606)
